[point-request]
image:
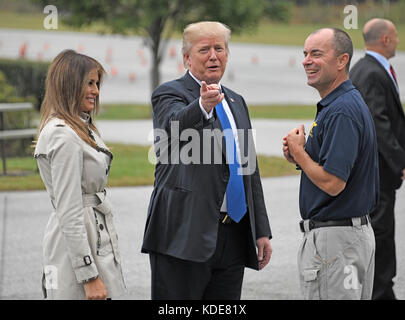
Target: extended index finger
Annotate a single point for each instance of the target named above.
(302, 128)
(204, 86)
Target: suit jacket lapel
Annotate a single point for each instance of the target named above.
(239, 116)
(391, 83)
(237, 110)
(191, 85)
(242, 123)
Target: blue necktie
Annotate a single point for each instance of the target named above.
(235, 190)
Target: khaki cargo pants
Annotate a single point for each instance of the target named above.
(337, 262)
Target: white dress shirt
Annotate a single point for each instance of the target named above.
(231, 121)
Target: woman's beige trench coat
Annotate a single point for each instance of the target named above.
(80, 241)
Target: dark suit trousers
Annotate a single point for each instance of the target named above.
(383, 222)
(220, 278)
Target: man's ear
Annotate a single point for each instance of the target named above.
(343, 60)
(385, 39)
(186, 60)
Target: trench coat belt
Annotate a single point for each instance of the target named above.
(99, 202)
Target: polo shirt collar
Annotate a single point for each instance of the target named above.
(345, 86)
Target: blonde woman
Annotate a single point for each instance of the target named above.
(80, 251)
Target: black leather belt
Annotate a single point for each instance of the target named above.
(224, 218)
(312, 224)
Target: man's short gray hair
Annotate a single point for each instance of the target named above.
(341, 43)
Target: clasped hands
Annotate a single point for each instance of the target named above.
(210, 96)
(293, 143)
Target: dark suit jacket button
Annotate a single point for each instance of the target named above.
(101, 227)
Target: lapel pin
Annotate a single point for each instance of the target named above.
(232, 100)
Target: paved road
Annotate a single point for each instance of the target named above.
(261, 73)
(269, 133)
(23, 217)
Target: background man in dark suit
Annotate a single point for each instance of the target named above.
(204, 221)
(375, 79)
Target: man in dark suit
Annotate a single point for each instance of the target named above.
(376, 80)
(205, 218)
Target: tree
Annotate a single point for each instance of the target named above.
(156, 20)
(278, 10)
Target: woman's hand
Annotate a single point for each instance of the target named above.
(95, 290)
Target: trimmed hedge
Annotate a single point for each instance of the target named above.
(27, 77)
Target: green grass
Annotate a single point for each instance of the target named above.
(135, 111)
(291, 34)
(275, 167)
(124, 112)
(34, 21)
(282, 111)
(295, 34)
(130, 167)
(21, 20)
(266, 32)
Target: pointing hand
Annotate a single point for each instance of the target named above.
(210, 96)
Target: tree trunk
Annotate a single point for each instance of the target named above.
(155, 68)
(155, 37)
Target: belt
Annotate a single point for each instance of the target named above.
(224, 218)
(99, 202)
(307, 225)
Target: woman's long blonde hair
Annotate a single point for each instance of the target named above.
(65, 86)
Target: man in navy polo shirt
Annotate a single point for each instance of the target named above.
(339, 181)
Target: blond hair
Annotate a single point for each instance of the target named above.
(65, 86)
(195, 31)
